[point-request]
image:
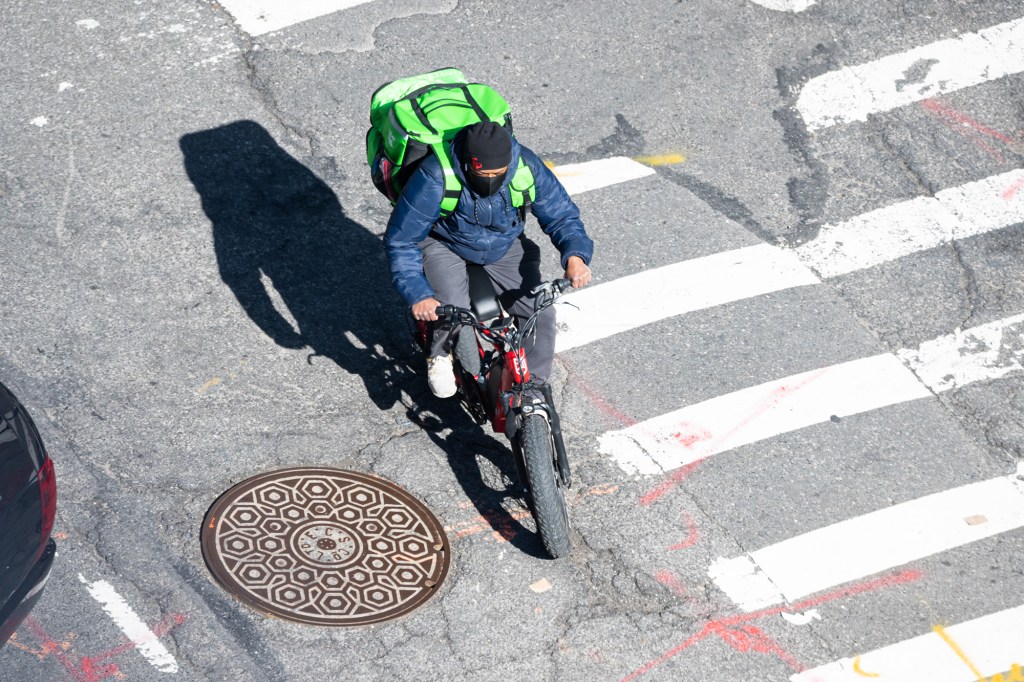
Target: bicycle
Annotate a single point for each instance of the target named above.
(494, 385)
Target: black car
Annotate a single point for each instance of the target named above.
(28, 503)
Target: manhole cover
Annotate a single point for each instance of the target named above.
(325, 546)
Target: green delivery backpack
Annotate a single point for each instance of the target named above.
(413, 117)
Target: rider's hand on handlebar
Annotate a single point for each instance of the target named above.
(577, 272)
(425, 309)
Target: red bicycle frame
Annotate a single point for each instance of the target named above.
(514, 372)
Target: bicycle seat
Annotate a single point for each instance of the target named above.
(482, 297)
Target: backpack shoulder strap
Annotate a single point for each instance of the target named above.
(452, 184)
(523, 189)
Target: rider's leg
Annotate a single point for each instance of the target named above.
(515, 275)
(446, 273)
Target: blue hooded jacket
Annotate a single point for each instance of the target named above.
(480, 229)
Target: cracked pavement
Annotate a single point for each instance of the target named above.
(195, 293)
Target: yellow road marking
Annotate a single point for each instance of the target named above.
(208, 385)
(660, 159)
(1015, 674)
(941, 632)
(655, 160)
(857, 669)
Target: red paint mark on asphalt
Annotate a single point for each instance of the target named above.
(598, 401)
(746, 639)
(674, 479)
(969, 128)
(691, 435)
(606, 489)
(776, 396)
(671, 581)
(161, 629)
(596, 398)
(750, 638)
(948, 112)
(692, 535)
(1012, 190)
(89, 668)
(82, 670)
(678, 587)
(499, 521)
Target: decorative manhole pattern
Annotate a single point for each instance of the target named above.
(325, 546)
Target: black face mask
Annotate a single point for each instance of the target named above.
(485, 187)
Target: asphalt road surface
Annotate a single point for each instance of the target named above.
(793, 394)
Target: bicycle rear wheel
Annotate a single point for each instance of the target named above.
(546, 494)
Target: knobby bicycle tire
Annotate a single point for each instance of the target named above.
(547, 497)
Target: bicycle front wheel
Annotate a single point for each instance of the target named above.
(546, 494)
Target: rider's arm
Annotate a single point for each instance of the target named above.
(418, 208)
(557, 214)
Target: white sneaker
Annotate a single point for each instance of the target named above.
(441, 376)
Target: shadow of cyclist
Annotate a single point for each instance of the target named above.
(277, 226)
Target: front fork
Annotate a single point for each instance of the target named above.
(547, 410)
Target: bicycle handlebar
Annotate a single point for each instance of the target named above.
(446, 311)
(558, 286)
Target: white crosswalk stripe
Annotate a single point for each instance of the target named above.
(982, 353)
(657, 294)
(786, 5)
(871, 543)
(979, 649)
(257, 17)
(854, 93)
(868, 240)
(729, 421)
(910, 226)
(590, 175)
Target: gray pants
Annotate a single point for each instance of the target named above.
(513, 276)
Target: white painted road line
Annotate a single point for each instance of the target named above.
(656, 294)
(144, 639)
(785, 5)
(871, 239)
(752, 414)
(853, 93)
(981, 353)
(257, 17)
(692, 433)
(915, 225)
(583, 177)
(872, 543)
(976, 650)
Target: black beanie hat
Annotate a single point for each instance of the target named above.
(488, 146)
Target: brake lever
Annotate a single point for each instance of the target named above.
(543, 286)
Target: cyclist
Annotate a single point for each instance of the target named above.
(428, 254)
